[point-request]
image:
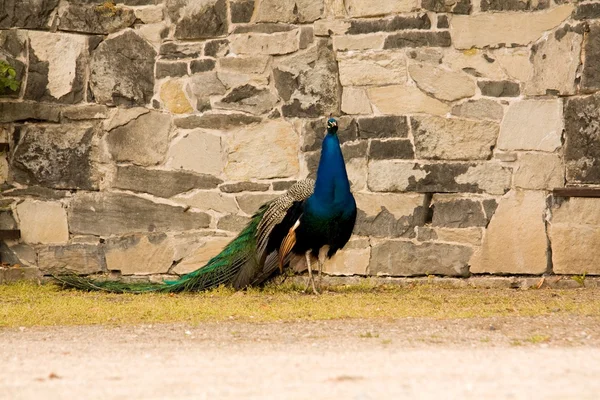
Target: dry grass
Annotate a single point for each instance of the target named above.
(26, 304)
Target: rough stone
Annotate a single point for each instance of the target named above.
(499, 88)
(441, 83)
(328, 27)
(85, 112)
(56, 67)
(139, 254)
(248, 98)
(453, 138)
(216, 121)
(403, 176)
(173, 97)
(511, 28)
(241, 11)
(474, 62)
(587, 11)
(122, 70)
(26, 14)
(388, 215)
(455, 7)
(202, 65)
(73, 258)
(216, 48)
(150, 15)
(468, 236)
(355, 101)
(160, 182)
(171, 69)
(417, 39)
(372, 68)
(514, 62)
(269, 44)
(539, 171)
(233, 223)
(42, 222)
(382, 127)
(479, 109)
(206, 249)
(582, 132)
(556, 60)
(590, 75)
(402, 100)
(294, 11)
(352, 260)
(360, 8)
(198, 19)
(314, 131)
(391, 149)
(142, 141)
(83, 17)
(452, 211)
(515, 241)
(400, 258)
(173, 51)
(204, 85)
(199, 151)
(574, 234)
(253, 64)
(268, 150)
(396, 23)
(250, 203)
(442, 22)
(106, 214)
(514, 5)
(532, 125)
(59, 156)
(359, 42)
(244, 187)
(19, 253)
(282, 185)
(38, 192)
(207, 200)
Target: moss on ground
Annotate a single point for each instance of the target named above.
(26, 304)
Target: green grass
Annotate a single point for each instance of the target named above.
(26, 304)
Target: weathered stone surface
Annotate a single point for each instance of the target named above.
(515, 241)
(26, 14)
(282, 185)
(250, 99)
(314, 131)
(453, 138)
(141, 141)
(488, 29)
(590, 75)
(74, 258)
(233, 223)
(253, 64)
(39, 192)
(160, 182)
(122, 70)
(355, 101)
(295, 11)
(391, 149)
(574, 235)
(417, 39)
(203, 251)
(452, 211)
(382, 127)
(244, 187)
(173, 97)
(402, 100)
(139, 254)
(479, 109)
(42, 222)
(56, 67)
(13, 44)
(587, 11)
(328, 27)
(171, 69)
(514, 62)
(455, 7)
(268, 150)
(216, 121)
(172, 51)
(402, 176)
(202, 86)
(106, 214)
(399, 258)
(316, 89)
(7, 220)
(380, 68)
(388, 215)
(359, 42)
(216, 48)
(582, 131)
(532, 125)
(83, 112)
(514, 5)
(14, 112)
(469, 236)
(441, 83)
(198, 151)
(241, 11)
(250, 203)
(208, 200)
(81, 16)
(442, 22)
(19, 253)
(556, 60)
(499, 88)
(474, 62)
(396, 23)
(202, 65)
(539, 171)
(270, 44)
(198, 19)
(352, 260)
(150, 15)
(360, 8)
(59, 156)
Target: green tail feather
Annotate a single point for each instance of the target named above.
(220, 270)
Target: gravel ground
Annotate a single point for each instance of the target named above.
(553, 357)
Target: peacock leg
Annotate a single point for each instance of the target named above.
(311, 280)
(321, 262)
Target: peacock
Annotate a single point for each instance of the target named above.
(313, 219)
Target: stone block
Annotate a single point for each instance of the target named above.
(400, 258)
(391, 149)
(417, 39)
(150, 15)
(175, 51)
(245, 187)
(18, 254)
(587, 11)
(441, 6)
(233, 223)
(514, 62)
(532, 125)
(198, 19)
(372, 68)
(27, 14)
(499, 88)
(139, 254)
(251, 202)
(293, 11)
(57, 156)
(514, 5)
(590, 75)
(85, 112)
(510, 28)
(396, 23)
(314, 131)
(201, 87)
(455, 211)
(359, 42)
(468, 236)
(73, 258)
(171, 69)
(83, 17)
(582, 134)
(216, 121)
(352, 260)
(122, 70)
(515, 241)
(173, 97)
(474, 62)
(360, 8)
(202, 252)
(355, 101)
(441, 83)
(388, 215)
(382, 127)
(207, 200)
(539, 171)
(241, 11)
(248, 98)
(453, 138)
(198, 151)
(202, 65)
(216, 48)
(402, 100)
(277, 43)
(479, 109)
(105, 214)
(142, 140)
(265, 151)
(42, 222)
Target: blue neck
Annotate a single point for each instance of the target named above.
(332, 184)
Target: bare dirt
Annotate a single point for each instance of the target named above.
(554, 357)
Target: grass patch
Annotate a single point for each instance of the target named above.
(26, 304)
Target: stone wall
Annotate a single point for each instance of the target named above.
(146, 132)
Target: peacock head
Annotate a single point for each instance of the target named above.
(332, 126)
